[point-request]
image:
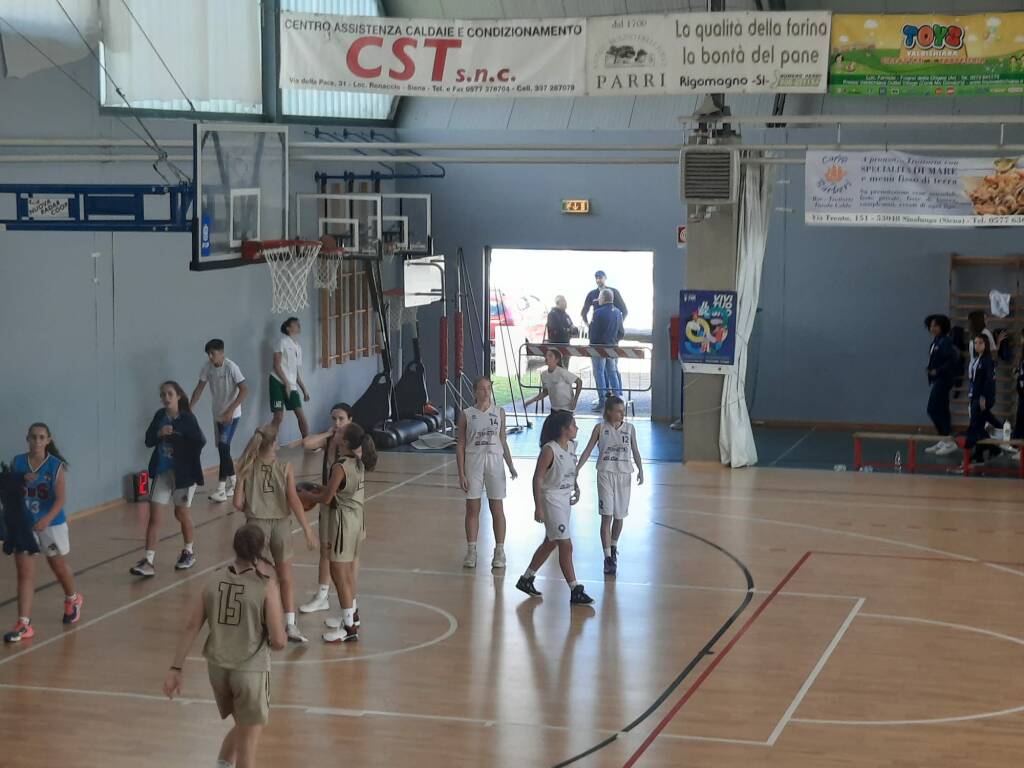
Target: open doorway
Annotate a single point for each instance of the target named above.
(522, 288)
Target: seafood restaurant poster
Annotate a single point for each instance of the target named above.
(707, 342)
(901, 190)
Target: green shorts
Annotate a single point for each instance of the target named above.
(278, 401)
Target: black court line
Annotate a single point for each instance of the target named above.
(694, 662)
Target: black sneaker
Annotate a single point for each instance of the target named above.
(525, 584)
(609, 566)
(185, 561)
(579, 597)
(142, 568)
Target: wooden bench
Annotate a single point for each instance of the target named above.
(912, 439)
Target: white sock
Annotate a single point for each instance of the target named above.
(530, 573)
(573, 584)
(499, 547)
(224, 764)
(222, 486)
(607, 551)
(615, 543)
(289, 619)
(355, 605)
(25, 620)
(232, 480)
(190, 547)
(71, 597)
(348, 616)
(323, 591)
(150, 556)
(471, 545)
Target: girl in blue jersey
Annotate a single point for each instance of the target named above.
(44, 469)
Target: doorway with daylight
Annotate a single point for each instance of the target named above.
(523, 286)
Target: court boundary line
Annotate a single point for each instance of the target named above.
(307, 709)
(185, 580)
(813, 676)
(695, 686)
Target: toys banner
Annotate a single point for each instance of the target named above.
(927, 55)
(707, 343)
(896, 189)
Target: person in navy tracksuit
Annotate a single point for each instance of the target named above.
(1018, 429)
(943, 365)
(982, 395)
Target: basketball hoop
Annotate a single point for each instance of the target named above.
(290, 262)
(328, 261)
(398, 313)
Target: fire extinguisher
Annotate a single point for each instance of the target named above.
(140, 486)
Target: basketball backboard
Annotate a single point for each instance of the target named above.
(423, 280)
(353, 219)
(407, 224)
(241, 178)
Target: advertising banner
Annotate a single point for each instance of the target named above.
(707, 343)
(433, 57)
(901, 190)
(731, 52)
(927, 55)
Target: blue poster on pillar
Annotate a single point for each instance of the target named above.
(708, 336)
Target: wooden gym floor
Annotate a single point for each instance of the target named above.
(759, 618)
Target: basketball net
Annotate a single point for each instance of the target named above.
(399, 316)
(328, 261)
(290, 263)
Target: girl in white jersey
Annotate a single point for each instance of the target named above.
(479, 452)
(554, 492)
(616, 441)
(558, 384)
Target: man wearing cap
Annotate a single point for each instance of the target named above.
(592, 298)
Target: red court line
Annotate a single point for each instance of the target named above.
(715, 662)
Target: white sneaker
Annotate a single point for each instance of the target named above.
(946, 447)
(498, 561)
(219, 495)
(294, 635)
(470, 560)
(232, 482)
(333, 622)
(316, 604)
(935, 448)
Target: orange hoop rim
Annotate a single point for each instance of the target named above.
(252, 250)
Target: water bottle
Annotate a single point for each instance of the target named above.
(839, 468)
(897, 462)
(867, 468)
(204, 236)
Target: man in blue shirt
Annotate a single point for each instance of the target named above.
(606, 329)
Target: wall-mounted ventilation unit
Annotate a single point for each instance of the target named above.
(709, 175)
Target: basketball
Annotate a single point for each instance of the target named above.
(310, 488)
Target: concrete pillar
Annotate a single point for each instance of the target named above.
(710, 265)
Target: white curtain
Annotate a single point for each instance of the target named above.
(736, 439)
(45, 24)
(212, 49)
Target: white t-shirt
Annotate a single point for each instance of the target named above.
(483, 430)
(559, 383)
(223, 383)
(615, 448)
(291, 360)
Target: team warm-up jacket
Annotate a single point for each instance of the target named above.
(187, 440)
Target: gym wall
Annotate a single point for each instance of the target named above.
(88, 357)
